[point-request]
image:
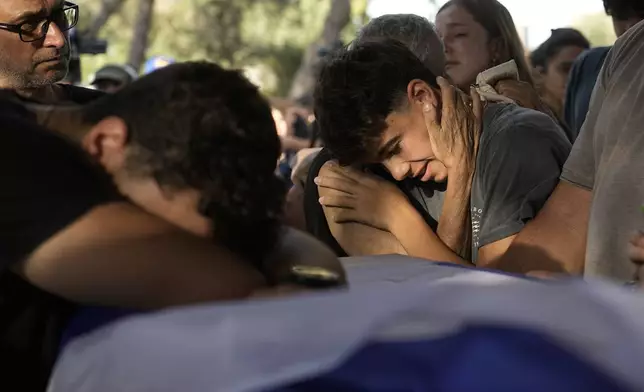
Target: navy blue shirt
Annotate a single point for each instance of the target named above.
(581, 83)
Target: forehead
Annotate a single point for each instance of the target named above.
(454, 16)
(567, 54)
(10, 9)
(399, 123)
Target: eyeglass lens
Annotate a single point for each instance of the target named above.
(64, 19)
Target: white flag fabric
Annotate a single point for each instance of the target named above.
(404, 325)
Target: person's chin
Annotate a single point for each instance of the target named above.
(53, 75)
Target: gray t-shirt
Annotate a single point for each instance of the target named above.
(608, 159)
(519, 163)
(520, 158)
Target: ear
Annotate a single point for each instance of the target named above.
(498, 51)
(106, 142)
(421, 94)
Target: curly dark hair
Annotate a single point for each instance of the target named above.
(559, 39)
(624, 9)
(357, 89)
(197, 125)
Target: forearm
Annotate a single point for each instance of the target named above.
(454, 226)
(418, 239)
(555, 240)
(361, 240)
(119, 255)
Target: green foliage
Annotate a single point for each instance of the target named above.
(598, 28)
(269, 35)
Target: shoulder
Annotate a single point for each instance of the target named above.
(587, 66)
(585, 70)
(31, 151)
(627, 53)
(592, 57)
(22, 135)
(80, 95)
(509, 122)
(519, 134)
(318, 163)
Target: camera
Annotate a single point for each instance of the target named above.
(81, 45)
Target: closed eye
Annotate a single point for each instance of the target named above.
(393, 151)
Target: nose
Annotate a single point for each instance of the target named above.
(398, 169)
(447, 48)
(55, 37)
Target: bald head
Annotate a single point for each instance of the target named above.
(416, 32)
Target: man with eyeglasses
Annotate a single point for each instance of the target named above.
(35, 50)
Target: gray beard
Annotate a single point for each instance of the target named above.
(12, 78)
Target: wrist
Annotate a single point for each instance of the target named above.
(403, 219)
(460, 174)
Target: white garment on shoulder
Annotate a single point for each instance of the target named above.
(486, 80)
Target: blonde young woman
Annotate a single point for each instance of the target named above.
(478, 35)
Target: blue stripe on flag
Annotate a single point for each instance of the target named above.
(477, 359)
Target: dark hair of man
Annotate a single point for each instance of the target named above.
(624, 9)
(357, 89)
(197, 125)
(559, 39)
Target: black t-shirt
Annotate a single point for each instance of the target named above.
(47, 183)
(80, 95)
(520, 158)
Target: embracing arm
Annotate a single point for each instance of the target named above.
(418, 239)
(555, 241)
(119, 255)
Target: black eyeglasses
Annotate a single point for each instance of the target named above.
(36, 28)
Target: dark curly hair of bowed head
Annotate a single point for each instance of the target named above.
(624, 9)
(357, 89)
(199, 126)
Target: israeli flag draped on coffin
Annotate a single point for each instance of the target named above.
(404, 325)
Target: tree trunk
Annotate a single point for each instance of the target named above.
(142, 25)
(108, 8)
(338, 17)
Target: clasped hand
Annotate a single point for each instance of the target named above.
(356, 196)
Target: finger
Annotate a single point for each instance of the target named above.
(431, 116)
(448, 96)
(338, 201)
(352, 173)
(477, 104)
(334, 168)
(340, 184)
(345, 215)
